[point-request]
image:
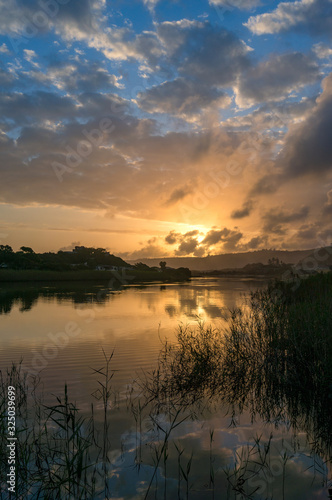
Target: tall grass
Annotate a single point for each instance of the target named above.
(274, 359)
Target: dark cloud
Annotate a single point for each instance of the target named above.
(308, 146)
(313, 17)
(275, 78)
(268, 184)
(81, 77)
(177, 195)
(172, 238)
(187, 242)
(256, 242)
(307, 232)
(245, 211)
(23, 108)
(208, 54)
(275, 220)
(236, 4)
(6, 78)
(181, 97)
(229, 238)
(216, 240)
(327, 209)
(26, 17)
(203, 60)
(187, 246)
(213, 237)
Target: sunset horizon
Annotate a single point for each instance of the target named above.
(157, 129)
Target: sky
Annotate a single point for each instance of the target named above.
(165, 128)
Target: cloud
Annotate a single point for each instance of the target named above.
(213, 237)
(245, 211)
(268, 184)
(199, 61)
(276, 78)
(311, 16)
(70, 247)
(29, 56)
(275, 220)
(152, 249)
(256, 242)
(182, 97)
(207, 54)
(6, 79)
(327, 210)
(216, 240)
(187, 246)
(28, 18)
(84, 76)
(177, 195)
(77, 20)
(172, 238)
(308, 146)
(23, 108)
(238, 4)
(150, 4)
(4, 49)
(229, 238)
(322, 50)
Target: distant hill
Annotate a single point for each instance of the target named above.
(317, 260)
(231, 260)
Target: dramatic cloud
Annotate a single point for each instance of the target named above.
(327, 210)
(312, 16)
(172, 238)
(276, 220)
(229, 238)
(177, 195)
(277, 77)
(238, 4)
(187, 246)
(308, 146)
(245, 211)
(182, 97)
(167, 121)
(207, 54)
(256, 242)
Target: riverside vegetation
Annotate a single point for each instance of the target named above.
(81, 264)
(274, 360)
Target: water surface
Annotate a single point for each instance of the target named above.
(63, 330)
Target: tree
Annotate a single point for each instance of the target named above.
(141, 266)
(27, 250)
(162, 265)
(6, 248)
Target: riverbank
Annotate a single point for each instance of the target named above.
(125, 277)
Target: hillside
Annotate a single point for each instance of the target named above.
(230, 260)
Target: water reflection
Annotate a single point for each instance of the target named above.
(190, 300)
